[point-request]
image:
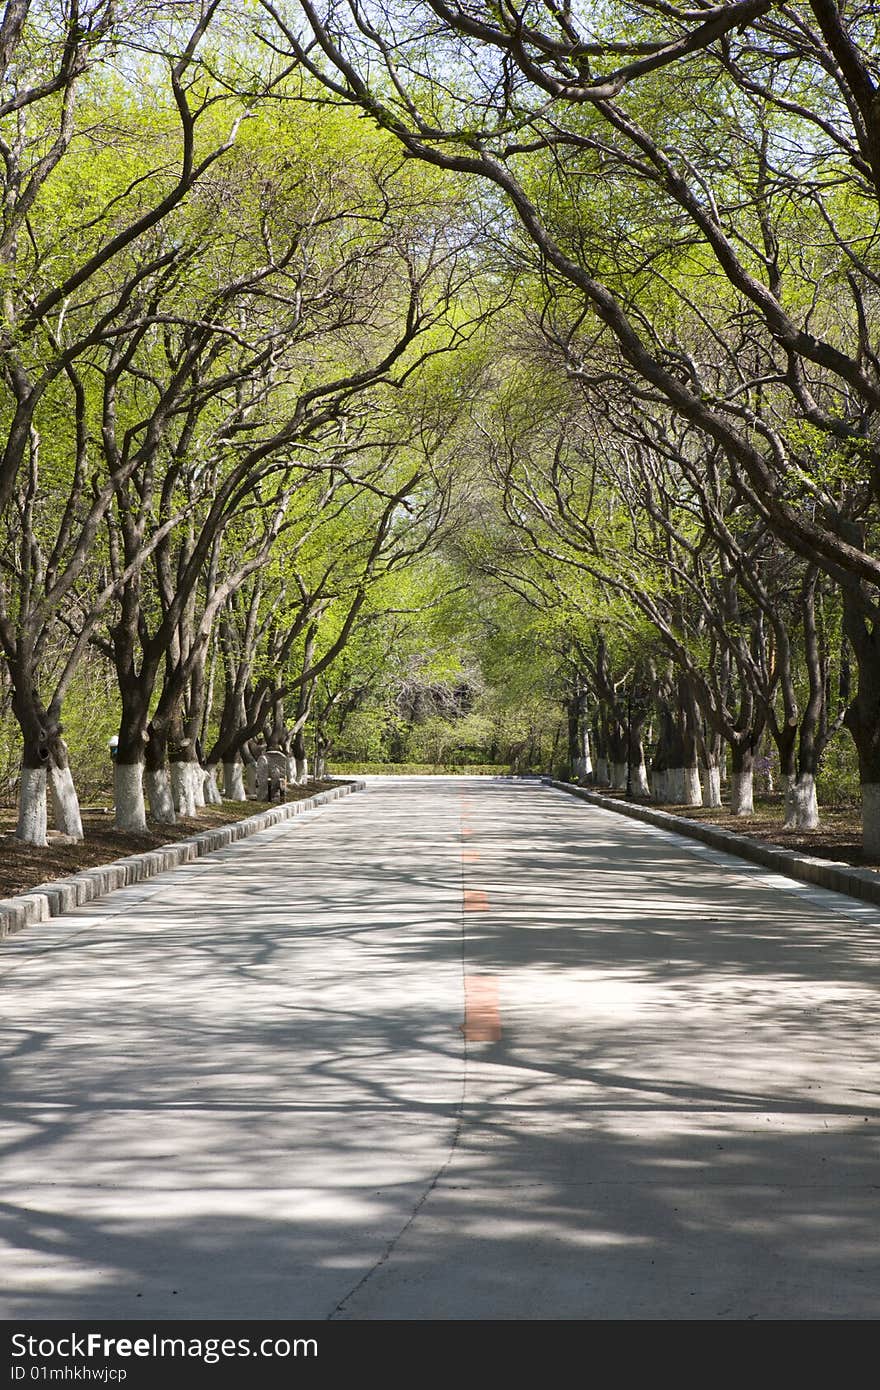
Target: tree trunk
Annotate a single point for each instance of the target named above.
(197, 777)
(301, 761)
(692, 787)
(801, 803)
(182, 787)
(157, 778)
(32, 818)
(711, 780)
(233, 781)
(32, 814)
(742, 800)
(261, 778)
(572, 710)
(211, 791)
(65, 802)
(158, 783)
(131, 813)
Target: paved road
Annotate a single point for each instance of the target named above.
(447, 1049)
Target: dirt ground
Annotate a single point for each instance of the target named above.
(23, 867)
(839, 836)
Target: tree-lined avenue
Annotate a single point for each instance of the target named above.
(364, 1065)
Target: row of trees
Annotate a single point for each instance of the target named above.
(589, 306)
(222, 311)
(689, 199)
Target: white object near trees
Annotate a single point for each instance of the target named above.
(640, 783)
(158, 784)
(210, 790)
(801, 803)
(742, 798)
(692, 790)
(131, 812)
(711, 778)
(32, 819)
(65, 802)
(233, 781)
(182, 788)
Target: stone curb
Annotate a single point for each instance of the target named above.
(61, 894)
(826, 873)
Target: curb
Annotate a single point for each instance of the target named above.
(825, 873)
(62, 894)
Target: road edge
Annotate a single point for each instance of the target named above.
(60, 895)
(823, 873)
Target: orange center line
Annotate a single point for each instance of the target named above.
(470, 856)
(475, 900)
(482, 1017)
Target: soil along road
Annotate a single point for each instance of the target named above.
(448, 1049)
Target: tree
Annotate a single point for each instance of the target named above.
(736, 152)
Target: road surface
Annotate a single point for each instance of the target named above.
(451, 1049)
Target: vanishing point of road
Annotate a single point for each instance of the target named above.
(451, 1049)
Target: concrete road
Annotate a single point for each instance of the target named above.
(446, 1049)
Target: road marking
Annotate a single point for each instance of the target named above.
(475, 900)
(466, 829)
(470, 856)
(482, 1018)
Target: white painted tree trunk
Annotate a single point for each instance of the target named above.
(320, 768)
(602, 771)
(640, 784)
(182, 789)
(711, 779)
(32, 816)
(871, 819)
(692, 790)
(587, 760)
(210, 789)
(233, 781)
(65, 803)
(159, 792)
(618, 776)
(131, 813)
(302, 771)
(675, 785)
(801, 803)
(197, 777)
(250, 780)
(261, 778)
(742, 798)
